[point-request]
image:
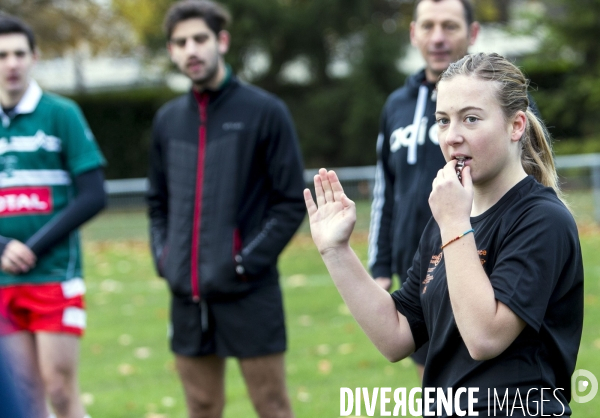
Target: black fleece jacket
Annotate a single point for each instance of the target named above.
(225, 196)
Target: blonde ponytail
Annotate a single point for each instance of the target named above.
(536, 155)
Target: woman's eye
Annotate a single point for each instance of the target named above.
(471, 119)
(442, 121)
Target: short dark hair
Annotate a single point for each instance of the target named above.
(11, 24)
(467, 6)
(214, 14)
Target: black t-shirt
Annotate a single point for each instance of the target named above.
(529, 247)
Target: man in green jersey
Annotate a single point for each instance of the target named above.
(51, 181)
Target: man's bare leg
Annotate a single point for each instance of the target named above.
(203, 380)
(265, 380)
(58, 356)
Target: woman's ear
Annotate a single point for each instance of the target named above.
(519, 124)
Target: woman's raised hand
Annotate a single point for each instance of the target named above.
(333, 216)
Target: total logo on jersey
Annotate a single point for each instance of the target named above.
(25, 200)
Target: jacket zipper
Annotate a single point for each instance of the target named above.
(202, 107)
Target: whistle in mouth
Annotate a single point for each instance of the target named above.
(459, 166)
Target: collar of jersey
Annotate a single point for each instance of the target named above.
(30, 99)
(27, 104)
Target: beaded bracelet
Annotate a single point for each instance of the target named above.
(457, 238)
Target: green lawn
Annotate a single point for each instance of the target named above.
(127, 369)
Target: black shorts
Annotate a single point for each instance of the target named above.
(250, 326)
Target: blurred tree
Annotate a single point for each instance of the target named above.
(78, 27)
(145, 17)
(567, 66)
(493, 10)
(65, 25)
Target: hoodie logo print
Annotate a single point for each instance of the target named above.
(414, 134)
(410, 136)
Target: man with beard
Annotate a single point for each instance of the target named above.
(225, 198)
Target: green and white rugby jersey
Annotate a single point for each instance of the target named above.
(42, 149)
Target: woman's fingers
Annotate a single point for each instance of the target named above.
(328, 189)
(319, 190)
(336, 186)
(311, 206)
(326, 185)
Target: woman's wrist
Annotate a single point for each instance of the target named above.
(339, 251)
(451, 230)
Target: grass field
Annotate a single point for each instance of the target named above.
(127, 369)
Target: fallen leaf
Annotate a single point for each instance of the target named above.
(305, 320)
(126, 369)
(87, 399)
(142, 352)
(407, 362)
(323, 349)
(303, 395)
(297, 280)
(125, 339)
(325, 366)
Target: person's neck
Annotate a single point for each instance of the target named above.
(430, 76)
(9, 100)
(486, 195)
(215, 82)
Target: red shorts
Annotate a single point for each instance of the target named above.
(50, 307)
